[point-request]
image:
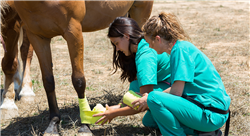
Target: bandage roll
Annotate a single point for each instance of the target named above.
(129, 97)
(87, 116)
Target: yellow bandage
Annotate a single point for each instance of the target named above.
(86, 114)
(129, 97)
(84, 104)
(89, 119)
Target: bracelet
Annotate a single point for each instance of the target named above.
(121, 105)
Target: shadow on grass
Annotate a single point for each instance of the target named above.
(70, 121)
(125, 130)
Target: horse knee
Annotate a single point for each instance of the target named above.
(49, 84)
(9, 67)
(79, 84)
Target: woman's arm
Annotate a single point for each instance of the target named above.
(125, 111)
(111, 113)
(167, 90)
(146, 89)
(176, 88)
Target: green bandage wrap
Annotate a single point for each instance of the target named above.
(89, 119)
(84, 104)
(129, 97)
(86, 114)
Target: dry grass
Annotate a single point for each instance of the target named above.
(219, 29)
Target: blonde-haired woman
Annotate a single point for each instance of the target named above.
(197, 102)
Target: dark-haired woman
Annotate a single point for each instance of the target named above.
(142, 66)
(197, 102)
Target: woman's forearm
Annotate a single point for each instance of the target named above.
(146, 89)
(124, 111)
(176, 88)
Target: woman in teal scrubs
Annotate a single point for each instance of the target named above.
(140, 65)
(197, 89)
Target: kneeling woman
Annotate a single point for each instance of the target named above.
(142, 66)
(197, 101)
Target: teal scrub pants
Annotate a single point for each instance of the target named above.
(173, 114)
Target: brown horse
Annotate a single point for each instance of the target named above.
(43, 20)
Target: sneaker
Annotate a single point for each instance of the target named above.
(218, 132)
(213, 133)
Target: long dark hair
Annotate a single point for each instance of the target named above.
(119, 27)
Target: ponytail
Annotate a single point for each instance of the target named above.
(167, 26)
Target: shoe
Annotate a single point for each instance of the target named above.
(213, 133)
(218, 132)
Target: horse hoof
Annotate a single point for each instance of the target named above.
(84, 131)
(84, 134)
(8, 113)
(27, 94)
(27, 99)
(48, 134)
(52, 128)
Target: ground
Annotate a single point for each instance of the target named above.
(219, 29)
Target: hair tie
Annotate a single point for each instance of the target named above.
(160, 16)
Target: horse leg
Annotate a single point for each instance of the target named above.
(10, 69)
(74, 39)
(17, 80)
(41, 46)
(26, 50)
(140, 11)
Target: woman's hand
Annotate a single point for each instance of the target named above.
(107, 115)
(142, 103)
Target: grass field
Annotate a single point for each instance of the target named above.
(219, 29)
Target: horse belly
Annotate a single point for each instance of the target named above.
(47, 19)
(99, 14)
(44, 28)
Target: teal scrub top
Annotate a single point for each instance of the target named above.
(202, 81)
(151, 67)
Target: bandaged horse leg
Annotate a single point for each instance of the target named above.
(74, 39)
(83, 106)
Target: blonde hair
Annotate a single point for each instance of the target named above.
(167, 26)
